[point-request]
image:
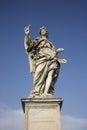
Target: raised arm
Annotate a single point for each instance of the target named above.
(27, 39)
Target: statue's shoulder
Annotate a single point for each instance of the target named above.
(37, 39)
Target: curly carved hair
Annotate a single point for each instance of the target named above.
(43, 31)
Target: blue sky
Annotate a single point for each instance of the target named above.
(66, 21)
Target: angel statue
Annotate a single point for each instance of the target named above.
(44, 63)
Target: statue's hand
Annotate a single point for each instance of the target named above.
(59, 50)
(27, 30)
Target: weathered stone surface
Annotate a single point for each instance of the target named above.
(42, 114)
(44, 62)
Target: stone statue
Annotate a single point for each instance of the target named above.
(44, 63)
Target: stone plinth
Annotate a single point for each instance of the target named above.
(42, 114)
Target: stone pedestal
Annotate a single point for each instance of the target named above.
(42, 114)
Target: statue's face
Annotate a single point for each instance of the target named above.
(43, 32)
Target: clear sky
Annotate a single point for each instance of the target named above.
(66, 21)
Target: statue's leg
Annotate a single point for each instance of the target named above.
(48, 82)
(51, 78)
(54, 78)
(39, 79)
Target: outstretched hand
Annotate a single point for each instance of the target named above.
(59, 50)
(27, 30)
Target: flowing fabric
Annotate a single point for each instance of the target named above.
(45, 61)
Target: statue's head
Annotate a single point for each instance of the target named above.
(43, 32)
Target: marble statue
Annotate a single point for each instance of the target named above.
(44, 63)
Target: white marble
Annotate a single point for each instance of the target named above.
(44, 63)
(42, 114)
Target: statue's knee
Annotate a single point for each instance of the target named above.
(51, 73)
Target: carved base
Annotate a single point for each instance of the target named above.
(42, 114)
